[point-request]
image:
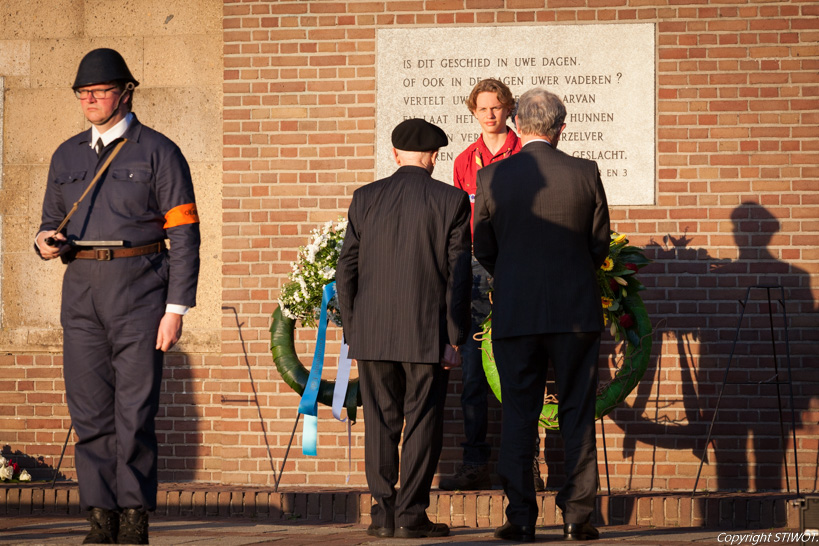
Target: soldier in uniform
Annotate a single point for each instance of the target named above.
(124, 292)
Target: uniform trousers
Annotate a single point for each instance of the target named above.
(392, 393)
(522, 363)
(110, 316)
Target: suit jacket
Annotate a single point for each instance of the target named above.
(542, 231)
(404, 274)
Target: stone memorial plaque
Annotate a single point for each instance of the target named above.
(605, 75)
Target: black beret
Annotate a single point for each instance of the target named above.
(418, 135)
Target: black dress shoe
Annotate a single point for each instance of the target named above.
(580, 531)
(518, 533)
(426, 529)
(381, 532)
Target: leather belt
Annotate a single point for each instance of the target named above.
(108, 254)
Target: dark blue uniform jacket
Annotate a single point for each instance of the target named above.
(145, 196)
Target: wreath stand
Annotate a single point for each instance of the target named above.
(605, 454)
(774, 380)
(293, 372)
(278, 478)
(62, 454)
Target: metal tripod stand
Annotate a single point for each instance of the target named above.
(776, 380)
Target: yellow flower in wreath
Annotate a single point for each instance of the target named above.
(606, 302)
(608, 265)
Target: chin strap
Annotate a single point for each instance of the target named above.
(129, 88)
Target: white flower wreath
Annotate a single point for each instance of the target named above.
(300, 299)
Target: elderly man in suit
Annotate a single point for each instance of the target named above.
(404, 281)
(542, 231)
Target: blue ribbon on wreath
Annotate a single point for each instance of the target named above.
(308, 406)
(309, 399)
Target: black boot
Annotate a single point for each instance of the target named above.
(104, 527)
(133, 526)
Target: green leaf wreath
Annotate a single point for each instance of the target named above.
(625, 316)
(300, 300)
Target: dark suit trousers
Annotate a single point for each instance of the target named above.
(392, 392)
(522, 363)
(113, 373)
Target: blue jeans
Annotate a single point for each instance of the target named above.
(475, 388)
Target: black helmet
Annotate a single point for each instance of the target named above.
(100, 66)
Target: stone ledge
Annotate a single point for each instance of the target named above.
(478, 509)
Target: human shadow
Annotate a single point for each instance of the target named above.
(186, 448)
(657, 418)
(701, 297)
(769, 384)
(183, 449)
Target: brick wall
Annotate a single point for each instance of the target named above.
(736, 205)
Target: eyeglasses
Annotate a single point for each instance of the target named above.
(82, 94)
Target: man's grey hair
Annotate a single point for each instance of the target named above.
(540, 113)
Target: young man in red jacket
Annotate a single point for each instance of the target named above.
(491, 102)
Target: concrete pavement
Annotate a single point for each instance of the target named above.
(166, 531)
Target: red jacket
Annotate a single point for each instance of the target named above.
(477, 156)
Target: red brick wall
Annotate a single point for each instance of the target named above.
(737, 99)
(737, 129)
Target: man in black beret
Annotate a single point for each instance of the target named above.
(404, 281)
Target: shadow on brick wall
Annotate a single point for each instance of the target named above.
(694, 302)
(186, 452)
(700, 297)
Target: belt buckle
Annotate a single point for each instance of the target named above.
(103, 254)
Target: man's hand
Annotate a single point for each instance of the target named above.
(170, 330)
(50, 252)
(451, 358)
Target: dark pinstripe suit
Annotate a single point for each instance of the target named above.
(542, 231)
(404, 281)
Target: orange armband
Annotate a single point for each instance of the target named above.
(181, 215)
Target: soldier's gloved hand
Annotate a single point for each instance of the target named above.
(170, 330)
(49, 252)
